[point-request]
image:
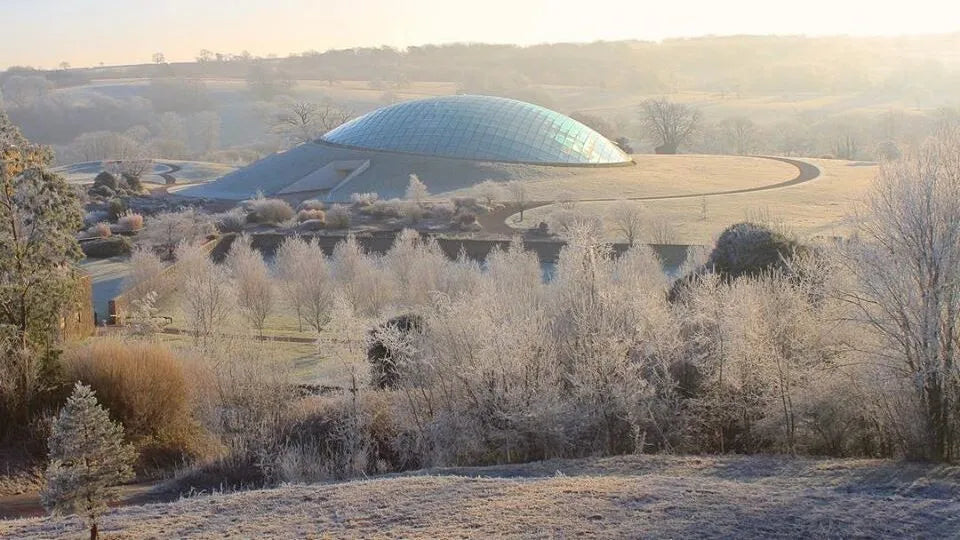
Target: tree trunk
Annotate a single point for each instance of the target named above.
(94, 532)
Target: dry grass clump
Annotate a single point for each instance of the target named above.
(130, 221)
(99, 230)
(148, 389)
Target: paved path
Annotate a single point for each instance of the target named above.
(495, 222)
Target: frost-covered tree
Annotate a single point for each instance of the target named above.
(164, 232)
(39, 216)
(518, 192)
(361, 279)
(305, 281)
(251, 278)
(87, 458)
(146, 270)
(208, 299)
(417, 190)
(907, 261)
(489, 191)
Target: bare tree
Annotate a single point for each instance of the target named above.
(628, 219)
(253, 284)
(670, 124)
(739, 134)
(907, 261)
(305, 281)
(518, 191)
(207, 297)
(159, 58)
(303, 121)
(489, 191)
(167, 230)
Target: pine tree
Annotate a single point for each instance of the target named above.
(87, 457)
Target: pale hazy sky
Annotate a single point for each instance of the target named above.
(86, 32)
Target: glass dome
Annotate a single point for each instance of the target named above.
(480, 128)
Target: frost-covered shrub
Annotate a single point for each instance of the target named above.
(309, 214)
(469, 203)
(96, 216)
(441, 210)
(391, 208)
(270, 211)
(106, 179)
(388, 344)
(338, 217)
(364, 199)
(116, 208)
(311, 204)
(749, 249)
(106, 247)
(231, 221)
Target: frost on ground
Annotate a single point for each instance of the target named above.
(635, 496)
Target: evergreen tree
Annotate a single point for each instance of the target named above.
(39, 216)
(87, 457)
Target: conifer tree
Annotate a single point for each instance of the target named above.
(87, 457)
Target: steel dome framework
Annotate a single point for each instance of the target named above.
(480, 128)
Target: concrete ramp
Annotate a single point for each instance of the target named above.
(329, 177)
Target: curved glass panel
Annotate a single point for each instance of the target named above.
(479, 128)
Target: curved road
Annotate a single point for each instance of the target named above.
(495, 222)
(168, 176)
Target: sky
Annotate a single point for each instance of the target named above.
(43, 33)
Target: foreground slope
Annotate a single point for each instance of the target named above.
(648, 496)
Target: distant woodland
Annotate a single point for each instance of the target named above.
(894, 91)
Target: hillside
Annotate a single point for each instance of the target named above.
(647, 496)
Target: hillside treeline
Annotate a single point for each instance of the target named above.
(922, 66)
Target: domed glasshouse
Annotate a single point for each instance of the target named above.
(451, 143)
(479, 128)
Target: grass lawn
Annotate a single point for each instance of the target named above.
(656, 496)
(320, 361)
(818, 207)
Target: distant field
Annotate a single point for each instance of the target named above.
(818, 207)
(648, 496)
